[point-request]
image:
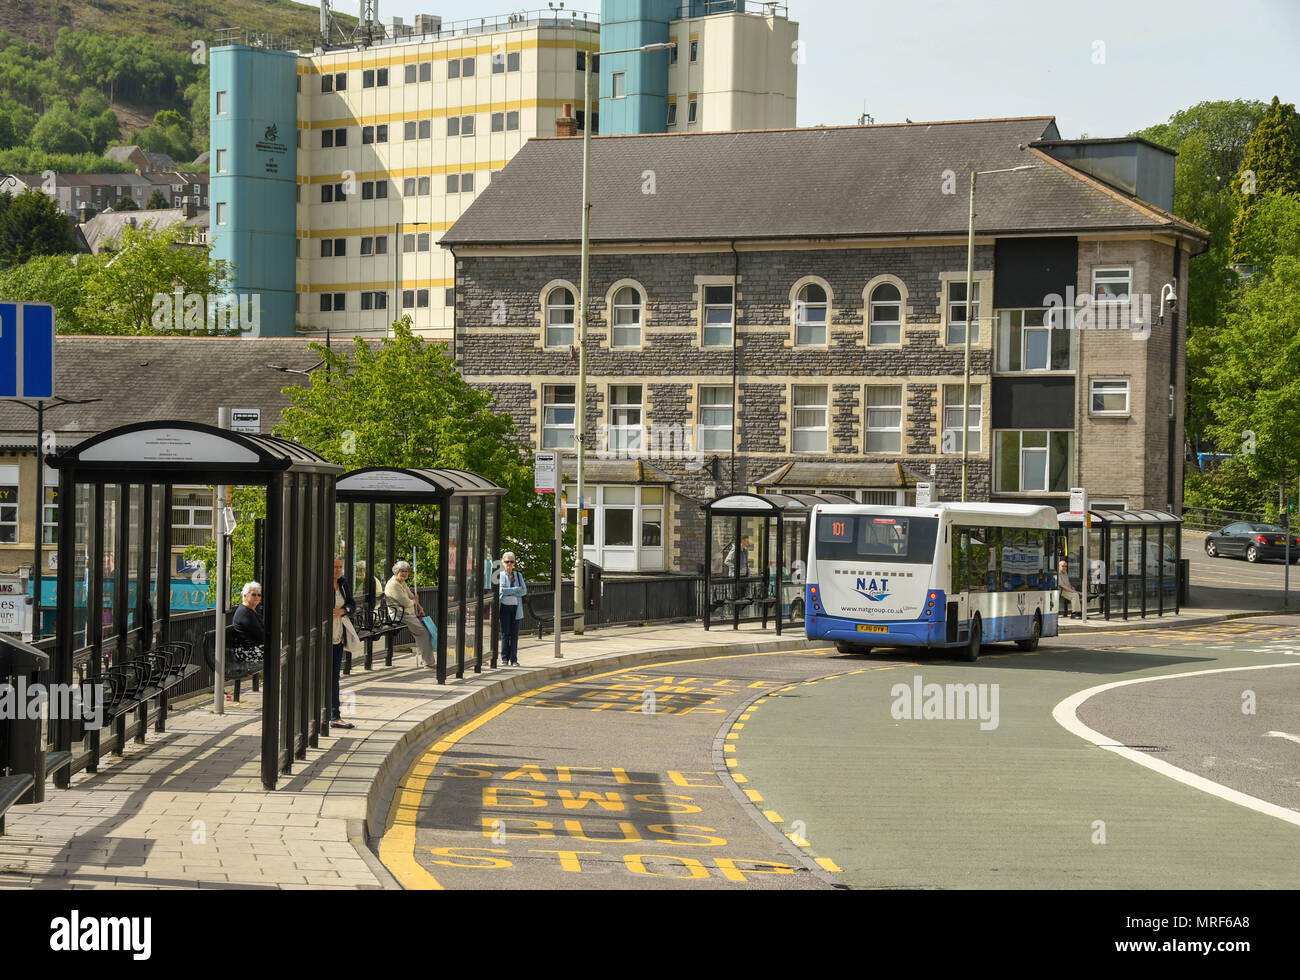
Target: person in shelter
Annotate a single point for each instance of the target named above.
(400, 593)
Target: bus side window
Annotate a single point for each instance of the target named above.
(977, 561)
(960, 545)
(993, 571)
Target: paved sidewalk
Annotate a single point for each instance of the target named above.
(1187, 616)
(187, 809)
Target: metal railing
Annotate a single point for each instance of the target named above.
(1211, 518)
(759, 8)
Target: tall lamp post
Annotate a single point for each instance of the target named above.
(971, 319)
(580, 423)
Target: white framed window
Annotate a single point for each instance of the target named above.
(715, 419)
(559, 410)
(619, 516)
(1112, 284)
(50, 512)
(221, 161)
(8, 504)
(952, 416)
(560, 311)
(810, 419)
(1108, 396)
(625, 429)
(1026, 341)
(811, 307)
(693, 110)
(221, 212)
(956, 303)
(222, 104)
(695, 51)
(625, 330)
(672, 113)
(1029, 461)
(619, 81)
(719, 313)
(191, 515)
(885, 315)
(884, 426)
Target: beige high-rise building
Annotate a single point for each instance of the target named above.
(408, 133)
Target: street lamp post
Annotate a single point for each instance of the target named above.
(970, 318)
(580, 406)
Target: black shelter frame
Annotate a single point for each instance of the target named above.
(144, 461)
(1141, 554)
(783, 508)
(469, 530)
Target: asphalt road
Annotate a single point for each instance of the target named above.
(1018, 801)
(1234, 583)
(809, 769)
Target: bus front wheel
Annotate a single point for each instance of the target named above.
(971, 653)
(1032, 642)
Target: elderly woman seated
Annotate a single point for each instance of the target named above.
(247, 629)
(1070, 598)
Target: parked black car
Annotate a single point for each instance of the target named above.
(1251, 541)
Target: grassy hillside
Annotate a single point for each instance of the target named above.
(176, 23)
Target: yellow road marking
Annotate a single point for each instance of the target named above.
(729, 747)
(773, 816)
(754, 796)
(397, 845)
(733, 734)
(739, 778)
(798, 841)
(745, 716)
(732, 762)
(829, 865)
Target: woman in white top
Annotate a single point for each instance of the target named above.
(402, 595)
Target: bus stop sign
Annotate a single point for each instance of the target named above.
(26, 350)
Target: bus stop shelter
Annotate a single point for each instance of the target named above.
(115, 516)
(780, 523)
(469, 534)
(1134, 558)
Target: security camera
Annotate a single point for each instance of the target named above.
(1168, 296)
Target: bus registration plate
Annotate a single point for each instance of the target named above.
(873, 629)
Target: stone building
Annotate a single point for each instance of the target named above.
(786, 309)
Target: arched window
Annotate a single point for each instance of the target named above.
(810, 316)
(626, 328)
(559, 317)
(886, 315)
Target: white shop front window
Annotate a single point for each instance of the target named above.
(628, 530)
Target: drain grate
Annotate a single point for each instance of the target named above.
(1137, 748)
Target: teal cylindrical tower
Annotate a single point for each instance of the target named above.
(643, 107)
(253, 172)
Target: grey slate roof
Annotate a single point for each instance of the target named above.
(147, 378)
(844, 182)
(103, 229)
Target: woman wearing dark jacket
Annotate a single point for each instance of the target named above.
(343, 608)
(247, 628)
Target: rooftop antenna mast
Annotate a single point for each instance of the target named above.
(368, 24)
(327, 22)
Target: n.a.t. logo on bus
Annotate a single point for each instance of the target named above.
(873, 591)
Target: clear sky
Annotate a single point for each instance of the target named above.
(1102, 67)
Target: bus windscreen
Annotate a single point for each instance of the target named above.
(854, 537)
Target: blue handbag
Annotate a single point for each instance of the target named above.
(431, 627)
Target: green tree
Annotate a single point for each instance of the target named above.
(129, 286)
(124, 203)
(53, 279)
(58, 132)
(1270, 165)
(1256, 378)
(32, 225)
(156, 201)
(405, 404)
(1272, 228)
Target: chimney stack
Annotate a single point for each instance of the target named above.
(189, 208)
(566, 125)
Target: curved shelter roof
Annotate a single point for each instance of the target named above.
(175, 451)
(399, 485)
(760, 504)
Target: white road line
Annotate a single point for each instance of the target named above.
(1066, 717)
(1294, 738)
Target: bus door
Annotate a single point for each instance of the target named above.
(958, 610)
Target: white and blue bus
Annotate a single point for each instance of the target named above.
(945, 575)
